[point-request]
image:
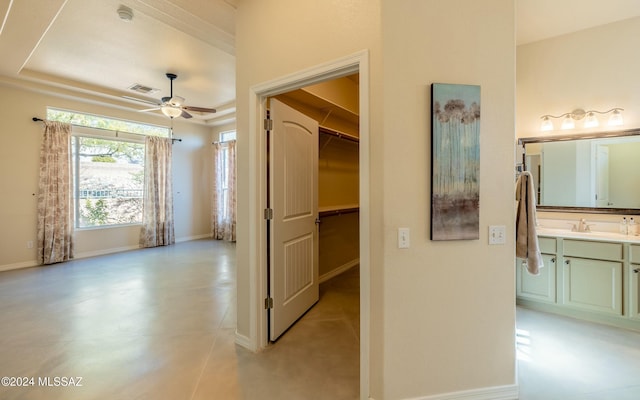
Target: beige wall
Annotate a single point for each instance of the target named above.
(338, 187)
(337, 173)
(448, 306)
(442, 313)
(339, 244)
(591, 69)
(19, 157)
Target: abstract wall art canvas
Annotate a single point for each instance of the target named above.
(455, 162)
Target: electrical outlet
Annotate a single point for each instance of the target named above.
(30, 244)
(497, 234)
(403, 238)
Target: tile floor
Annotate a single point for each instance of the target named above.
(159, 324)
(568, 359)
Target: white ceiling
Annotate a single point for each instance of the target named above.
(82, 46)
(543, 19)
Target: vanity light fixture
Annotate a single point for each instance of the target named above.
(590, 119)
(568, 123)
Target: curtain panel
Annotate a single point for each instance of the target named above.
(157, 215)
(223, 222)
(55, 208)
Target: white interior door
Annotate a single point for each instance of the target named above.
(602, 177)
(293, 179)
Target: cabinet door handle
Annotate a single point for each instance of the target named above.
(637, 270)
(567, 262)
(553, 260)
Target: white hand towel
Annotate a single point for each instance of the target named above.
(527, 246)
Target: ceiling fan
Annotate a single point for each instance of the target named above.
(173, 106)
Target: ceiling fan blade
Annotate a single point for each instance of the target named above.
(186, 115)
(149, 109)
(155, 103)
(200, 109)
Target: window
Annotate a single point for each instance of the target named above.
(111, 126)
(224, 183)
(109, 181)
(225, 174)
(227, 136)
(108, 168)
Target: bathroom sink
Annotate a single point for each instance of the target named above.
(593, 234)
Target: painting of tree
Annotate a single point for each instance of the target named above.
(455, 162)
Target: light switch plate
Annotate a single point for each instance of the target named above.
(403, 238)
(497, 234)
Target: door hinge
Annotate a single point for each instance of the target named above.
(268, 303)
(268, 124)
(268, 213)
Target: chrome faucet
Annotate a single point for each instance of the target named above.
(583, 226)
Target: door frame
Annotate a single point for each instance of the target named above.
(258, 94)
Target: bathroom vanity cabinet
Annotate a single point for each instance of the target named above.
(592, 276)
(586, 277)
(541, 287)
(634, 278)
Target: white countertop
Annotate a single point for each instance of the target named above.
(595, 235)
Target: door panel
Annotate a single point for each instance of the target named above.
(293, 272)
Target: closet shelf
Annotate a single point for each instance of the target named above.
(338, 210)
(319, 102)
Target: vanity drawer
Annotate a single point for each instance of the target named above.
(635, 253)
(548, 245)
(596, 250)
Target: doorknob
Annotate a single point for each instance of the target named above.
(318, 222)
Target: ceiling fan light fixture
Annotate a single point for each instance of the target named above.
(170, 111)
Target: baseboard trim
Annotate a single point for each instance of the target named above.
(244, 341)
(87, 254)
(20, 265)
(339, 270)
(591, 316)
(196, 237)
(507, 392)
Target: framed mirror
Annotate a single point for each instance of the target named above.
(594, 172)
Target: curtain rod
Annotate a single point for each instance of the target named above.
(36, 119)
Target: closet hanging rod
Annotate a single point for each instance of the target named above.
(339, 135)
(36, 119)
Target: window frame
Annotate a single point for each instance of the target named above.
(223, 136)
(83, 132)
(92, 132)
